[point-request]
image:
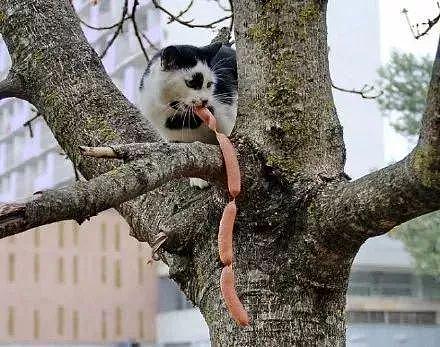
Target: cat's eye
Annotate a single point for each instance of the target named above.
(209, 85)
(189, 83)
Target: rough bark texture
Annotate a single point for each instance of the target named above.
(300, 223)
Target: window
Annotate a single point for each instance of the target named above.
(141, 265)
(170, 297)
(61, 234)
(60, 270)
(11, 267)
(430, 287)
(410, 318)
(413, 318)
(75, 321)
(103, 269)
(46, 137)
(142, 18)
(118, 322)
(60, 320)
(117, 237)
(75, 228)
(36, 324)
(36, 267)
(141, 325)
(103, 325)
(103, 236)
(37, 237)
(118, 282)
(75, 269)
(11, 321)
(104, 6)
(377, 283)
(365, 317)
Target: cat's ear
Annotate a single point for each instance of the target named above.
(168, 57)
(212, 49)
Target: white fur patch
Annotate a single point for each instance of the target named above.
(164, 87)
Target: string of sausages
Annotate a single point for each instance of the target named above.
(226, 227)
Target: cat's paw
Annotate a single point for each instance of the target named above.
(198, 182)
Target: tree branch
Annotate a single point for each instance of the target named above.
(429, 24)
(364, 92)
(12, 87)
(377, 202)
(160, 163)
(118, 30)
(188, 23)
(136, 30)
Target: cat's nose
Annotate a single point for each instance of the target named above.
(204, 102)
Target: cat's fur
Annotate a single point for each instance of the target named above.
(181, 77)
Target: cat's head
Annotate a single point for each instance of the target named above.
(189, 81)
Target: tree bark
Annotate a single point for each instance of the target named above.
(296, 232)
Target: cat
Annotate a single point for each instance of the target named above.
(180, 77)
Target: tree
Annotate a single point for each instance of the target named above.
(300, 222)
(405, 81)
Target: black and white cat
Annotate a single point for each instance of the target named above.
(180, 77)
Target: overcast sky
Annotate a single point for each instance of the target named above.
(395, 34)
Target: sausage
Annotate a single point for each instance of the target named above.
(227, 281)
(231, 163)
(235, 307)
(206, 116)
(225, 233)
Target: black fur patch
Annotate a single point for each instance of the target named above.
(180, 121)
(196, 82)
(185, 121)
(224, 65)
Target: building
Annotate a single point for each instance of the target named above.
(65, 283)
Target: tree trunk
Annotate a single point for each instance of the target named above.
(289, 306)
(300, 223)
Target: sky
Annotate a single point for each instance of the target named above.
(395, 34)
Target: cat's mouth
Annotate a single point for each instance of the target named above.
(183, 108)
(185, 116)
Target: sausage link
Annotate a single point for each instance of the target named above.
(225, 233)
(235, 307)
(231, 164)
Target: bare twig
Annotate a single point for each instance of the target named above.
(188, 23)
(182, 12)
(222, 7)
(152, 45)
(98, 152)
(28, 124)
(364, 92)
(428, 25)
(231, 25)
(104, 27)
(136, 30)
(117, 31)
